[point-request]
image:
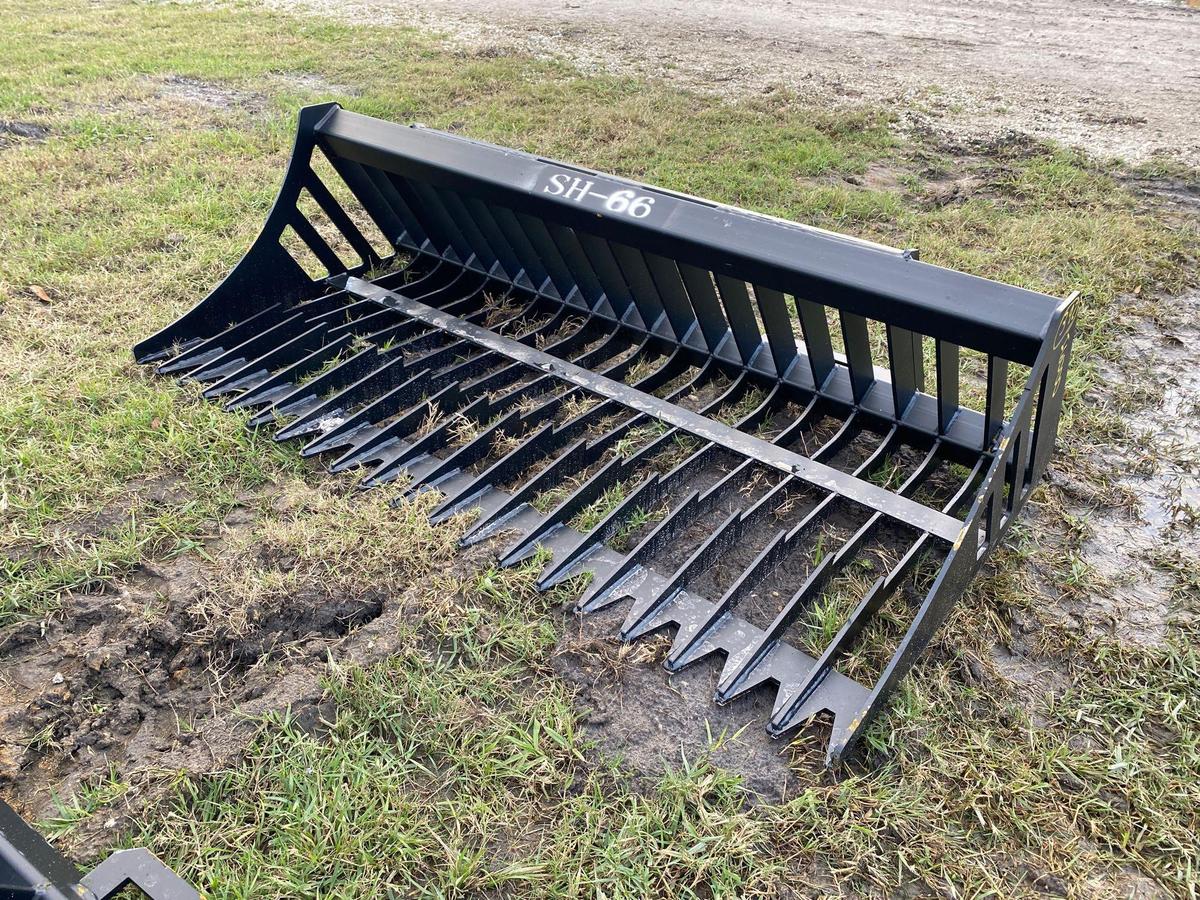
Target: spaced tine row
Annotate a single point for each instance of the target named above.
(654, 490)
(616, 470)
(647, 493)
(790, 704)
(739, 672)
(645, 614)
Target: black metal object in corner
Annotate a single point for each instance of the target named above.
(756, 433)
(31, 868)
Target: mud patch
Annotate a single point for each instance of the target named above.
(160, 490)
(180, 102)
(1037, 681)
(1134, 886)
(12, 132)
(210, 95)
(120, 679)
(1159, 474)
(311, 83)
(1177, 194)
(879, 177)
(653, 721)
(169, 669)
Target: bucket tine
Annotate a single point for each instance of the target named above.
(203, 351)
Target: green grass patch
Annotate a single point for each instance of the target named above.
(425, 784)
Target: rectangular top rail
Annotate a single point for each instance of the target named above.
(856, 276)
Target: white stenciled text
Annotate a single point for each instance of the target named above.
(623, 201)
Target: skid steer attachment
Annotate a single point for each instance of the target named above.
(793, 448)
(31, 867)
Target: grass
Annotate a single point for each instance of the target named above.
(456, 767)
(326, 537)
(638, 519)
(425, 779)
(596, 511)
(91, 798)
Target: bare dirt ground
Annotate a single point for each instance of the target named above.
(1113, 77)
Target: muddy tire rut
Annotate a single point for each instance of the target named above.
(121, 680)
(142, 679)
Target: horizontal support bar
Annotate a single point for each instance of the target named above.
(855, 489)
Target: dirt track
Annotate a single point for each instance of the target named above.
(1115, 77)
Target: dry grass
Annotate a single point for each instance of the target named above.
(322, 537)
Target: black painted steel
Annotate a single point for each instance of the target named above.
(762, 435)
(31, 867)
